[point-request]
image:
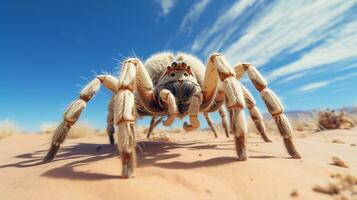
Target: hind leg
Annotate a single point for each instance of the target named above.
(255, 114)
(153, 123)
(110, 122)
(74, 111)
(210, 124)
(272, 102)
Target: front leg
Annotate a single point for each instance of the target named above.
(193, 109)
(133, 77)
(218, 69)
(169, 100)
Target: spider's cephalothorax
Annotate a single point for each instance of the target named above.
(171, 86)
(179, 79)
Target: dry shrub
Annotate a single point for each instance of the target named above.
(342, 187)
(269, 123)
(8, 128)
(48, 128)
(338, 162)
(80, 129)
(330, 119)
(338, 141)
(301, 122)
(101, 132)
(305, 122)
(161, 138)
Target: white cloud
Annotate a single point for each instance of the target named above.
(166, 6)
(287, 27)
(293, 77)
(340, 46)
(193, 14)
(316, 85)
(283, 28)
(221, 23)
(313, 86)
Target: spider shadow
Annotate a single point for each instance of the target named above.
(149, 154)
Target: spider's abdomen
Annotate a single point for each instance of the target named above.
(182, 90)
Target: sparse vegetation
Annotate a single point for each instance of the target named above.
(48, 128)
(311, 122)
(79, 130)
(330, 119)
(338, 141)
(338, 162)
(342, 187)
(8, 128)
(162, 138)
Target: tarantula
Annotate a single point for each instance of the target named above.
(177, 85)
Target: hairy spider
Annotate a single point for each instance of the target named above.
(177, 85)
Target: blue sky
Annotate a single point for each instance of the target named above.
(49, 49)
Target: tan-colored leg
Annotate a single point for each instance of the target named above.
(210, 124)
(133, 76)
(110, 122)
(222, 113)
(193, 109)
(169, 100)
(218, 67)
(74, 111)
(255, 114)
(153, 124)
(273, 104)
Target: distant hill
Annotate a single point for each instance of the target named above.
(310, 113)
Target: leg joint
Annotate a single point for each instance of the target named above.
(134, 61)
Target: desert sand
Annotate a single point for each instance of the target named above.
(194, 165)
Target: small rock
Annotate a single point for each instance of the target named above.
(294, 193)
(338, 162)
(208, 191)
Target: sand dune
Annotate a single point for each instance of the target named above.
(195, 166)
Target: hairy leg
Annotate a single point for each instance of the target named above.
(133, 77)
(222, 113)
(193, 110)
(74, 111)
(219, 69)
(153, 123)
(210, 124)
(169, 100)
(255, 114)
(110, 122)
(272, 102)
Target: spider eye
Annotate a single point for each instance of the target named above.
(172, 74)
(174, 64)
(185, 74)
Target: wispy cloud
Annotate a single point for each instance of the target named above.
(313, 86)
(293, 77)
(218, 28)
(316, 85)
(317, 33)
(166, 6)
(340, 46)
(287, 27)
(193, 14)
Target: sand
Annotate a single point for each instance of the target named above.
(194, 166)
